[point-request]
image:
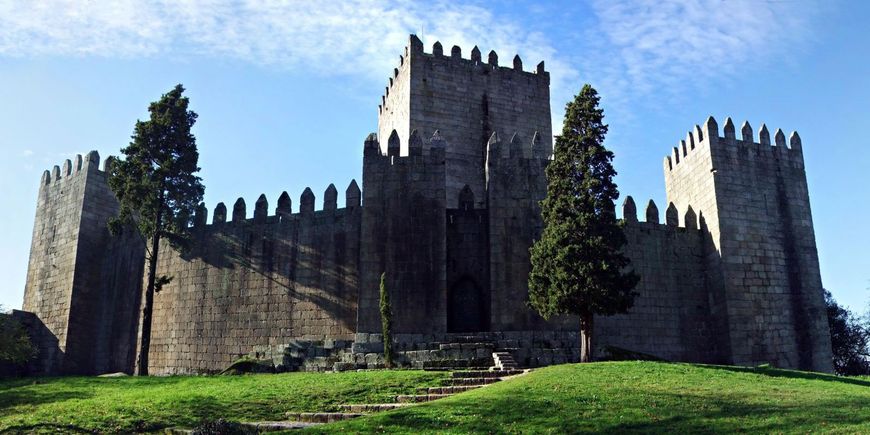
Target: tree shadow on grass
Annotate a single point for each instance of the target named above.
(41, 427)
(728, 416)
(676, 411)
(32, 397)
(795, 374)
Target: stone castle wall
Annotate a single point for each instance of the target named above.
(670, 316)
(515, 184)
(260, 281)
(403, 228)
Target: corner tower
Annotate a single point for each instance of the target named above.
(762, 264)
(82, 283)
(466, 100)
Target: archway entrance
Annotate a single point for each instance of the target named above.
(464, 307)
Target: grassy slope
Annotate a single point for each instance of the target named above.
(609, 397)
(125, 404)
(641, 397)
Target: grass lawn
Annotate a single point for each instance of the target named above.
(128, 404)
(644, 397)
(613, 397)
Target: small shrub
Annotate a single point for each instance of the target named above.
(386, 321)
(15, 345)
(247, 364)
(613, 353)
(223, 427)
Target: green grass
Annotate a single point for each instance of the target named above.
(614, 397)
(647, 397)
(130, 404)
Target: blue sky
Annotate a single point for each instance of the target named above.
(286, 92)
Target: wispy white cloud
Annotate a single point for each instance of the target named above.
(633, 48)
(327, 37)
(649, 46)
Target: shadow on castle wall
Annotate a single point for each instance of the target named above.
(259, 281)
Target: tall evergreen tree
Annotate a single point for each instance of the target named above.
(158, 190)
(577, 266)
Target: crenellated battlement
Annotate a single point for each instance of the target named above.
(71, 168)
(673, 218)
(417, 147)
(707, 136)
(517, 148)
(283, 210)
(437, 59)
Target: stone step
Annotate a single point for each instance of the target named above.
(504, 360)
(453, 364)
(464, 346)
(372, 407)
(275, 426)
(453, 389)
(505, 365)
(416, 398)
(321, 417)
(470, 381)
(485, 373)
(467, 338)
(455, 369)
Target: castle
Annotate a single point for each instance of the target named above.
(448, 210)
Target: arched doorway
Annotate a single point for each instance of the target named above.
(464, 307)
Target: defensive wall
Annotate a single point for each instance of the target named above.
(260, 280)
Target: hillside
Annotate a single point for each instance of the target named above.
(644, 397)
(613, 397)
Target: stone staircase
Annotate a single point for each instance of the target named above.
(504, 361)
(458, 382)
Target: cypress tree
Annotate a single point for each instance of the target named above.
(386, 321)
(577, 265)
(158, 190)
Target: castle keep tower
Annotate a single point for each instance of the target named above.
(450, 219)
(466, 100)
(762, 264)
